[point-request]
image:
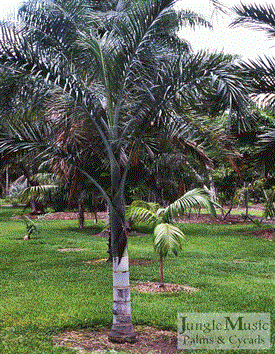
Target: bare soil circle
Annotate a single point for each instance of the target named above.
(149, 340)
(149, 287)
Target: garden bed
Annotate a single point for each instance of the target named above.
(96, 341)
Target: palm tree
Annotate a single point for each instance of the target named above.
(167, 237)
(122, 68)
(260, 75)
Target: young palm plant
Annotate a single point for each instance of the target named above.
(168, 237)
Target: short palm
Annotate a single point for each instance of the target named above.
(168, 237)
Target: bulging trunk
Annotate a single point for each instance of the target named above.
(122, 329)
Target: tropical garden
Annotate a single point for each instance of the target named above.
(121, 145)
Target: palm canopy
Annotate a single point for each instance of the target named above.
(119, 68)
(258, 73)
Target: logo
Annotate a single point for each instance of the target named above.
(224, 331)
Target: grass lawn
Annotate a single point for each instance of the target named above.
(44, 291)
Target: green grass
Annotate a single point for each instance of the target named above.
(44, 291)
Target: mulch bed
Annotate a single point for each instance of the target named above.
(268, 234)
(64, 216)
(209, 219)
(149, 287)
(188, 219)
(96, 341)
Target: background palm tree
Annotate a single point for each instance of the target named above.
(260, 75)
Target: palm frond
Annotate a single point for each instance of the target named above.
(188, 147)
(167, 238)
(212, 84)
(265, 156)
(141, 214)
(192, 199)
(256, 17)
(36, 192)
(26, 138)
(260, 77)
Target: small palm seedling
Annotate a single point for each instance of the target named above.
(31, 227)
(168, 237)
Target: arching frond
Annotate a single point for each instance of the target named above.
(26, 138)
(191, 199)
(141, 214)
(36, 192)
(260, 77)
(146, 205)
(167, 238)
(256, 17)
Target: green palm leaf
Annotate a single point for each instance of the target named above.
(167, 238)
(256, 16)
(141, 214)
(36, 192)
(192, 199)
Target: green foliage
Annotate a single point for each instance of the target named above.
(31, 226)
(269, 211)
(58, 198)
(226, 182)
(196, 198)
(167, 237)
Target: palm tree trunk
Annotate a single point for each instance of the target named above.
(161, 272)
(212, 189)
(246, 199)
(231, 205)
(81, 210)
(122, 329)
(7, 182)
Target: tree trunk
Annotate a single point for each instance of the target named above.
(231, 205)
(7, 182)
(212, 189)
(122, 329)
(81, 209)
(161, 272)
(110, 258)
(246, 199)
